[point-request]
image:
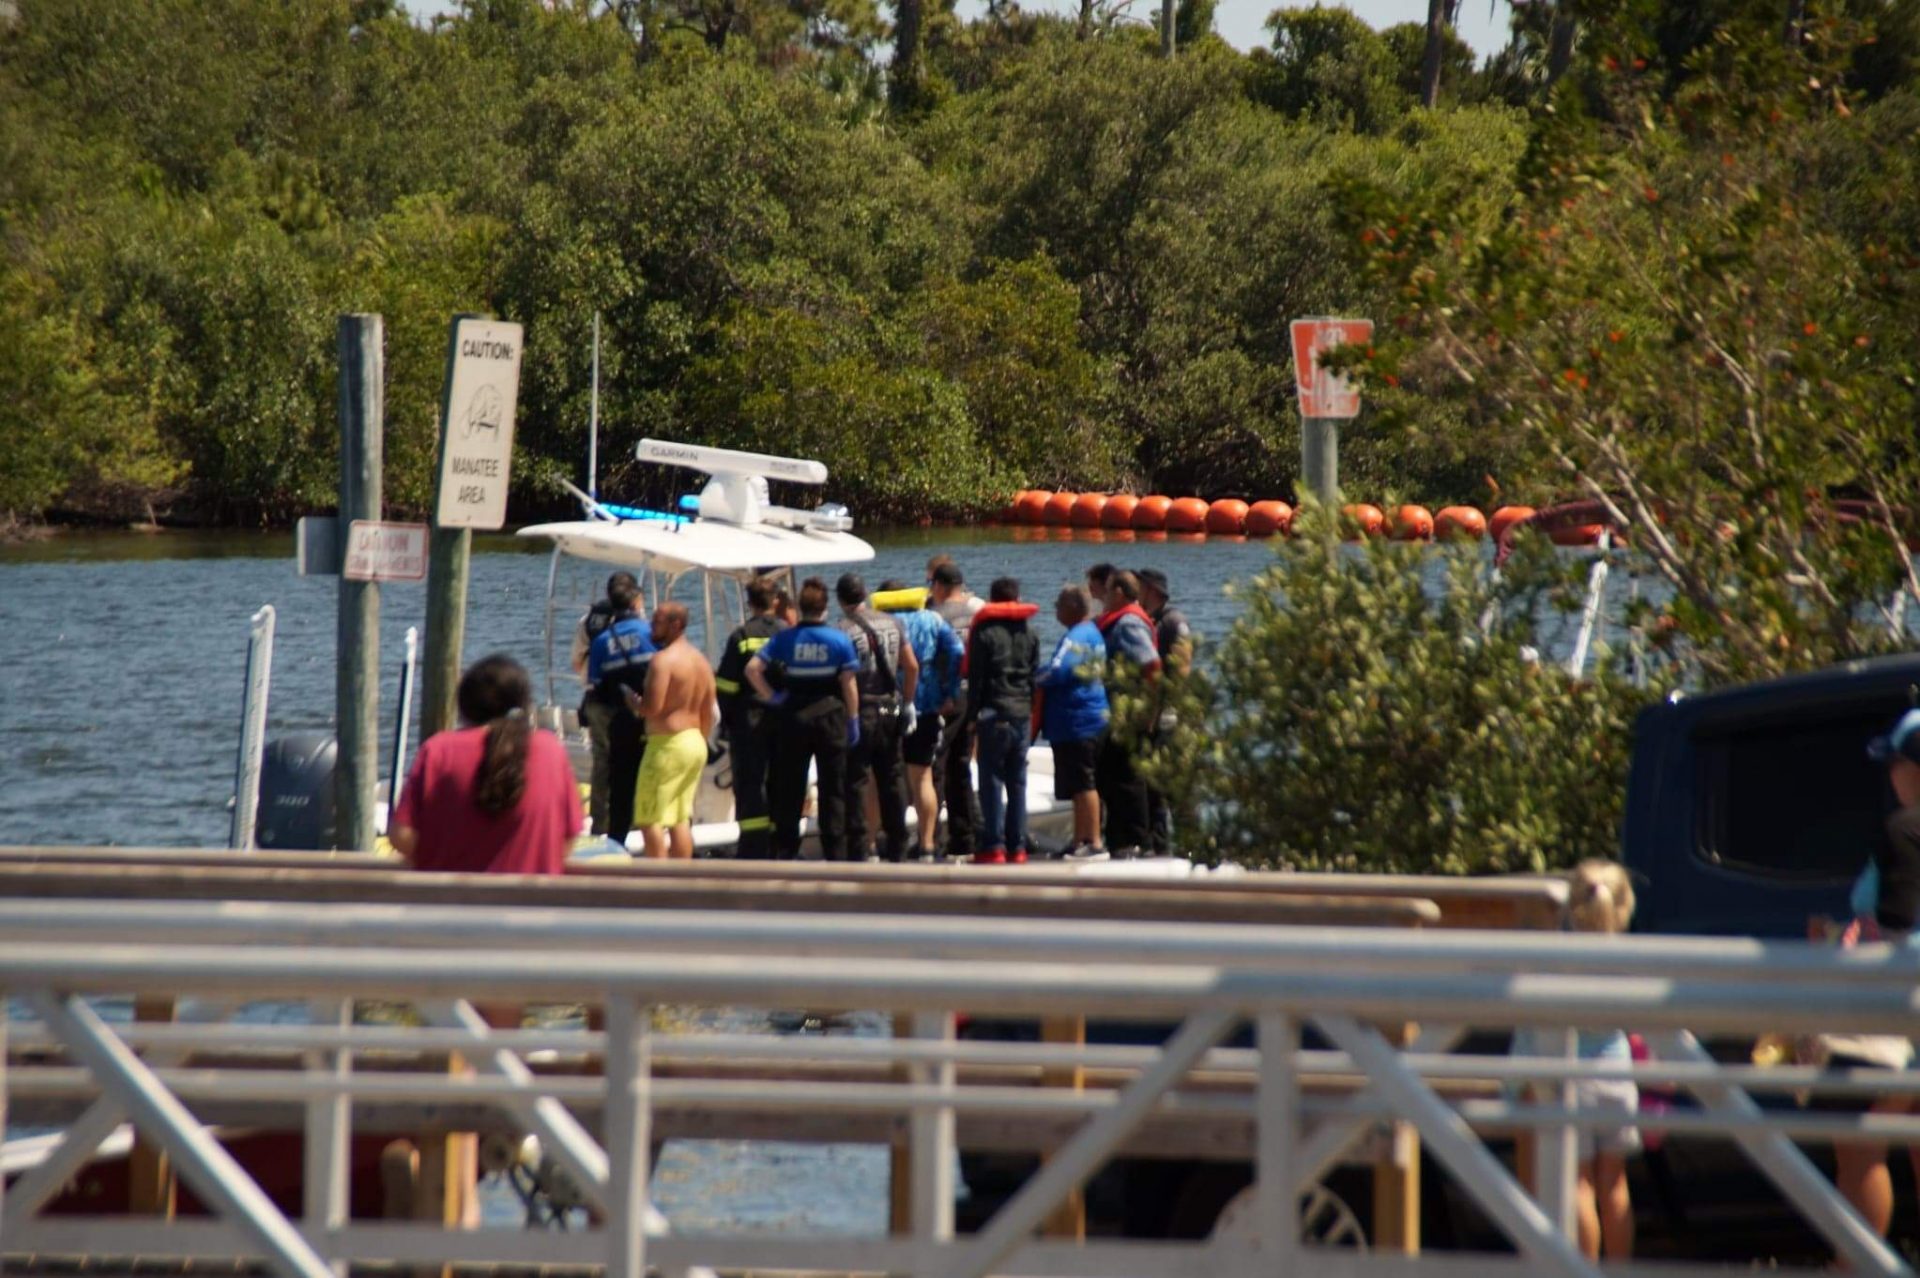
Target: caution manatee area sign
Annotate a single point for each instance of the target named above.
(476, 428)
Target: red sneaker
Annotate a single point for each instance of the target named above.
(1018, 856)
(993, 856)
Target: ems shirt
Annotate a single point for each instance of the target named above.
(938, 650)
(619, 658)
(812, 656)
(1075, 708)
(437, 802)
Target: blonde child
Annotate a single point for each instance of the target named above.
(1599, 899)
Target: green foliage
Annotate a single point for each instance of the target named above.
(1378, 709)
(1331, 67)
(1069, 260)
(1675, 318)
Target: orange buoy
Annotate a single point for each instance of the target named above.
(1030, 507)
(1506, 517)
(1413, 523)
(1086, 510)
(1362, 520)
(1578, 535)
(1459, 521)
(1118, 512)
(1228, 516)
(1150, 514)
(1059, 511)
(1187, 515)
(1269, 519)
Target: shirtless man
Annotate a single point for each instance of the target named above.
(679, 711)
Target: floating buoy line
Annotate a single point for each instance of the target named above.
(1232, 517)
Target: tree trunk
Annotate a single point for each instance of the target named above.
(904, 80)
(1436, 45)
(1796, 17)
(1086, 19)
(1168, 13)
(1560, 44)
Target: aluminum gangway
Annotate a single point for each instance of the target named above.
(1305, 1103)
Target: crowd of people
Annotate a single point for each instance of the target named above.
(892, 701)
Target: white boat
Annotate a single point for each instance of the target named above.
(704, 552)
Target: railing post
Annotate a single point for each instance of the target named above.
(151, 1189)
(1396, 1192)
(1396, 1174)
(900, 1152)
(628, 1129)
(931, 1137)
(1276, 1186)
(1557, 1160)
(324, 1185)
(444, 1183)
(1069, 1219)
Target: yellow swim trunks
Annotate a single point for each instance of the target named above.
(669, 776)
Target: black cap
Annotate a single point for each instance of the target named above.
(850, 589)
(1154, 579)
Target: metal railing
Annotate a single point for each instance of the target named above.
(1302, 1107)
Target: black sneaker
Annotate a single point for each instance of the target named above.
(1125, 854)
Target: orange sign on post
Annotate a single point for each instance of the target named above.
(1323, 392)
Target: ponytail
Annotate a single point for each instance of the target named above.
(495, 692)
(1599, 897)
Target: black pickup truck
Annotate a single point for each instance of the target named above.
(1748, 810)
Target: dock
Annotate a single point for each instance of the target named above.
(1225, 975)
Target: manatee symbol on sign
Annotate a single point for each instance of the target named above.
(485, 412)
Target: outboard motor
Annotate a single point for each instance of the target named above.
(296, 792)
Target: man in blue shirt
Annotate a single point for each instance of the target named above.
(816, 720)
(1073, 714)
(938, 650)
(618, 659)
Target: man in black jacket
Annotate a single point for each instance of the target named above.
(743, 720)
(1002, 654)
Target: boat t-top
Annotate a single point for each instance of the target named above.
(723, 538)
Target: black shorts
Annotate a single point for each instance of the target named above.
(1840, 1103)
(920, 747)
(1073, 767)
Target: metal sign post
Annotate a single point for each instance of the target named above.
(476, 458)
(1326, 398)
(253, 729)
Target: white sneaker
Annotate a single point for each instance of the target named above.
(1084, 852)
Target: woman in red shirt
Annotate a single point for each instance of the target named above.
(494, 796)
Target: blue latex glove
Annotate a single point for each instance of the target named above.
(779, 698)
(853, 733)
(911, 720)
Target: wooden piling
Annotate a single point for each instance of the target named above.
(357, 681)
(151, 1188)
(1069, 1219)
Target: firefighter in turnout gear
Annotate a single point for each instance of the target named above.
(743, 719)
